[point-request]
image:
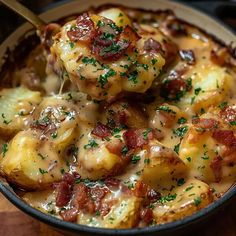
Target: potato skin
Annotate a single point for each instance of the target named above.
(30, 164)
(190, 198)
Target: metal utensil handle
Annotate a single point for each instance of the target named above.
(25, 13)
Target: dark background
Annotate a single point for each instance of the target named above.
(223, 10)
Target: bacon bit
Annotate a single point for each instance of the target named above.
(146, 215)
(221, 56)
(113, 49)
(68, 178)
(102, 131)
(188, 56)
(153, 196)
(105, 208)
(228, 114)
(152, 46)
(84, 29)
(141, 189)
(205, 124)
(134, 138)
(130, 35)
(112, 183)
(98, 192)
(81, 198)
(115, 147)
(174, 89)
(122, 117)
(69, 215)
(170, 51)
(63, 194)
(216, 166)
(225, 137)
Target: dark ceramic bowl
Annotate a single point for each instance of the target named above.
(186, 13)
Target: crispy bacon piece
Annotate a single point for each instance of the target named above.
(216, 166)
(205, 124)
(135, 138)
(63, 195)
(115, 147)
(188, 56)
(228, 114)
(113, 48)
(69, 215)
(112, 183)
(153, 196)
(146, 215)
(68, 178)
(225, 137)
(101, 131)
(141, 189)
(84, 29)
(174, 89)
(170, 51)
(152, 46)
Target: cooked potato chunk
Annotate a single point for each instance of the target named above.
(162, 166)
(95, 161)
(16, 105)
(183, 201)
(111, 58)
(31, 163)
(123, 214)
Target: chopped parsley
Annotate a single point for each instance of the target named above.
(107, 36)
(54, 135)
(232, 122)
(146, 132)
(189, 188)
(182, 120)
(113, 48)
(165, 108)
(62, 171)
(168, 198)
(197, 201)
(124, 150)
(72, 45)
(133, 76)
(154, 61)
(176, 148)
(91, 60)
(4, 149)
(42, 171)
(223, 105)
(180, 132)
(189, 159)
(180, 182)
(147, 161)
(4, 119)
(135, 159)
(100, 23)
(197, 91)
(104, 78)
(41, 156)
(91, 144)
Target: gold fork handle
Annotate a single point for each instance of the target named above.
(25, 13)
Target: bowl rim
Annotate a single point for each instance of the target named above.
(8, 192)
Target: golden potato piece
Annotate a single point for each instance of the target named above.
(16, 105)
(183, 201)
(123, 214)
(95, 161)
(31, 163)
(162, 166)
